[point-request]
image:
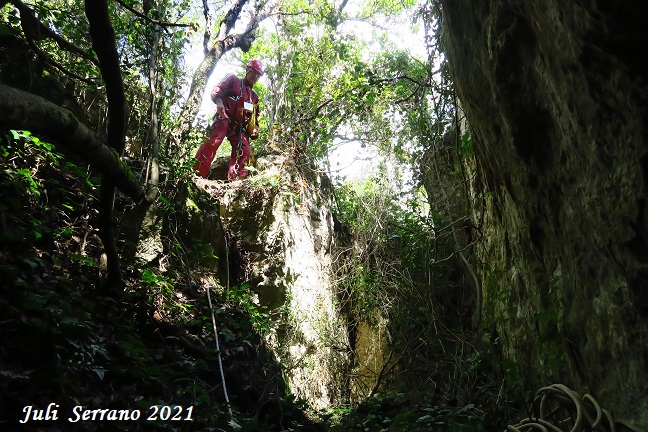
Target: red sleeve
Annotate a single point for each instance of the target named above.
(225, 87)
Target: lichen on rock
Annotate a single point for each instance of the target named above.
(556, 100)
(281, 229)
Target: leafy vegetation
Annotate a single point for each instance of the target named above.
(151, 346)
(69, 340)
(392, 411)
(396, 269)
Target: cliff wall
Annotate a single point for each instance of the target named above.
(281, 235)
(555, 93)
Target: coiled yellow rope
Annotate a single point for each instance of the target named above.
(557, 408)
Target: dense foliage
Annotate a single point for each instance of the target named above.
(65, 343)
(150, 342)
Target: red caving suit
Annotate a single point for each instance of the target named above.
(229, 90)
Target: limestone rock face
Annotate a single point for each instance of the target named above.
(282, 233)
(556, 95)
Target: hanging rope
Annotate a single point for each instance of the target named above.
(220, 360)
(557, 408)
(218, 351)
(239, 151)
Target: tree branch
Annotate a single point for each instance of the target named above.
(47, 59)
(208, 24)
(25, 111)
(232, 16)
(162, 24)
(103, 42)
(34, 29)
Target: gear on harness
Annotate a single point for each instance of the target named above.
(239, 152)
(247, 126)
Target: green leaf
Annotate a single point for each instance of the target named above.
(66, 232)
(100, 372)
(4, 30)
(466, 408)
(228, 336)
(24, 172)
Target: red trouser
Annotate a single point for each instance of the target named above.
(207, 151)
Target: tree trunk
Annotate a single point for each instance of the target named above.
(23, 110)
(103, 43)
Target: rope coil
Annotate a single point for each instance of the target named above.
(557, 408)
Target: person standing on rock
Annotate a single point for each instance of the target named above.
(237, 118)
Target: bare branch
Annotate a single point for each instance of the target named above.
(232, 15)
(159, 23)
(34, 29)
(208, 25)
(103, 42)
(47, 59)
(378, 26)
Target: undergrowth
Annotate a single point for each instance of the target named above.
(153, 345)
(395, 412)
(399, 267)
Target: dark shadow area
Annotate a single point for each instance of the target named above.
(148, 353)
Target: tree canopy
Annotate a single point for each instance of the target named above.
(115, 90)
(335, 72)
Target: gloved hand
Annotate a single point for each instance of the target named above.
(220, 110)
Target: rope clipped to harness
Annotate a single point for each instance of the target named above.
(557, 408)
(242, 126)
(239, 151)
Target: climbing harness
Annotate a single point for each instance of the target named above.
(241, 127)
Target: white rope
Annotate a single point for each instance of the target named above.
(220, 359)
